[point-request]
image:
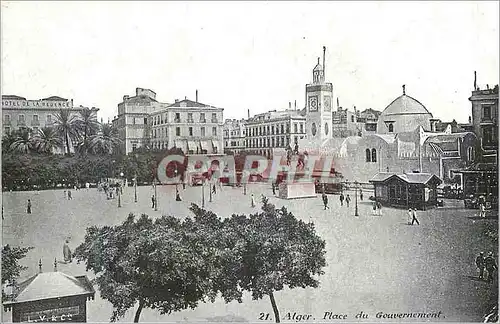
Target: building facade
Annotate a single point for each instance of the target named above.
(132, 119)
(234, 135)
(485, 120)
(194, 127)
(274, 130)
(345, 122)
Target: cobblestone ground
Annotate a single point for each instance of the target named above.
(375, 263)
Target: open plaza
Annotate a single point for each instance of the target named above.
(375, 264)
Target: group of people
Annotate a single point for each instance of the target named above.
(487, 263)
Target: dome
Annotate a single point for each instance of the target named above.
(405, 105)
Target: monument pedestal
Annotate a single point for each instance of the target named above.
(296, 190)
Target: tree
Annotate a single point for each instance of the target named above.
(87, 126)
(276, 250)
(22, 141)
(65, 125)
(106, 141)
(46, 140)
(10, 264)
(155, 264)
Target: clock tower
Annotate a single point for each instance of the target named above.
(319, 105)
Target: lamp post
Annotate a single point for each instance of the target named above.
(356, 198)
(176, 172)
(120, 192)
(156, 195)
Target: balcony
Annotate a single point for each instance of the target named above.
(190, 121)
(35, 123)
(6, 122)
(177, 120)
(203, 120)
(214, 120)
(21, 123)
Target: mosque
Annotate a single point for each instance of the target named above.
(405, 139)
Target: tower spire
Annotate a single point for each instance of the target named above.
(324, 67)
(404, 89)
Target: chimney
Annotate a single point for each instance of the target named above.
(185, 97)
(248, 113)
(40, 266)
(295, 104)
(289, 105)
(196, 95)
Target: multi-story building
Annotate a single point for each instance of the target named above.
(345, 122)
(194, 127)
(485, 119)
(19, 112)
(368, 118)
(132, 119)
(274, 129)
(234, 135)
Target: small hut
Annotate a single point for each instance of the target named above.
(415, 190)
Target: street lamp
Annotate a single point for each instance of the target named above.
(176, 172)
(156, 195)
(120, 192)
(356, 198)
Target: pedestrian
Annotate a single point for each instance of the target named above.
(177, 195)
(64, 193)
(374, 212)
(67, 252)
(70, 196)
(491, 266)
(410, 216)
(274, 189)
(480, 264)
(347, 200)
(414, 217)
(28, 207)
(213, 189)
(482, 210)
(325, 201)
(341, 199)
(379, 208)
(153, 201)
(361, 194)
(252, 201)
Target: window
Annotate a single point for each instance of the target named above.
(313, 129)
(470, 153)
(166, 118)
(326, 128)
(214, 117)
(145, 120)
(7, 119)
(161, 119)
(374, 155)
(214, 131)
(268, 142)
(202, 118)
(190, 131)
(133, 121)
(20, 119)
(272, 141)
(486, 112)
(203, 131)
(268, 130)
(134, 147)
(282, 129)
(7, 130)
(391, 128)
(35, 118)
(177, 117)
(287, 128)
(178, 131)
(190, 117)
(368, 155)
(272, 129)
(487, 135)
(352, 118)
(301, 127)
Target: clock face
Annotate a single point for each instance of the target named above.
(313, 103)
(328, 103)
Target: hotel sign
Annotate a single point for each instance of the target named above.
(63, 314)
(36, 104)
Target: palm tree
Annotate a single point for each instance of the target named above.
(47, 140)
(87, 126)
(22, 141)
(106, 141)
(65, 125)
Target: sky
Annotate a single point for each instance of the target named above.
(250, 55)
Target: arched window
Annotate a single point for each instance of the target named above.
(374, 155)
(313, 129)
(368, 155)
(391, 128)
(326, 128)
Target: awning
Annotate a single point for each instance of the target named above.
(206, 145)
(182, 144)
(192, 146)
(217, 147)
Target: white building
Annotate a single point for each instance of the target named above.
(275, 130)
(234, 135)
(194, 127)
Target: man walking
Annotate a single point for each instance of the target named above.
(414, 217)
(325, 201)
(347, 200)
(482, 210)
(70, 196)
(28, 208)
(361, 194)
(213, 189)
(491, 266)
(480, 264)
(274, 189)
(410, 216)
(252, 201)
(341, 199)
(153, 201)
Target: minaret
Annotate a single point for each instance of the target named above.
(319, 104)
